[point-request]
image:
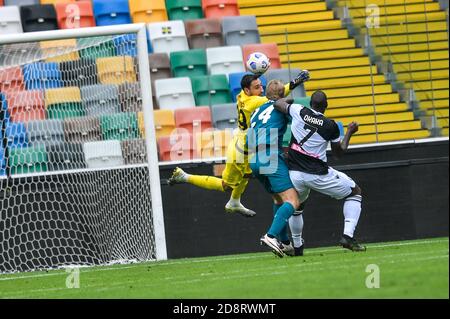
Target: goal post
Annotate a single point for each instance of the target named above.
(79, 169)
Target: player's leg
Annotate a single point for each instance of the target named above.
(234, 176)
(296, 226)
(339, 186)
(207, 182)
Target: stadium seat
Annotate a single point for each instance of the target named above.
(148, 11)
(16, 135)
(240, 30)
(134, 151)
(225, 60)
(176, 147)
(214, 143)
(174, 93)
(20, 2)
(130, 97)
(74, 15)
(28, 159)
(19, 53)
(4, 117)
(235, 83)
(65, 156)
(193, 120)
(11, 79)
(269, 49)
(64, 102)
(224, 116)
(164, 122)
(96, 47)
(188, 63)
(126, 44)
(211, 89)
(168, 36)
(40, 75)
(2, 162)
(10, 20)
(204, 33)
(184, 9)
(100, 99)
(103, 154)
(116, 70)
(120, 126)
(24, 106)
(59, 50)
(82, 129)
(38, 18)
(48, 132)
(107, 13)
(54, 2)
(81, 72)
(220, 8)
(159, 69)
(286, 75)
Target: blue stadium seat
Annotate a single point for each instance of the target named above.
(235, 83)
(2, 162)
(4, 109)
(16, 135)
(42, 75)
(107, 12)
(126, 44)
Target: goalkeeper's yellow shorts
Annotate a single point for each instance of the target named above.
(237, 165)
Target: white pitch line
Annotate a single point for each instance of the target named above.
(215, 259)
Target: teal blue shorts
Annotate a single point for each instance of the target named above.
(272, 172)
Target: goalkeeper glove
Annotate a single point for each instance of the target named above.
(303, 76)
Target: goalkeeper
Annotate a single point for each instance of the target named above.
(237, 171)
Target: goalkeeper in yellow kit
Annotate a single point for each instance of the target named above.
(237, 170)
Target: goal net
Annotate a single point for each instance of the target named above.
(78, 186)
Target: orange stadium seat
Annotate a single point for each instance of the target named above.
(24, 106)
(11, 79)
(213, 143)
(176, 147)
(193, 120)
(220, 8)
(147, 11)
(75, 15)
(164, 122)
(269, 49)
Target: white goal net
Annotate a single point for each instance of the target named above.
(77, 183)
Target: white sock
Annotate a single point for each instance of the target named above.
(296, 226)
(234, 202)
(352, 210)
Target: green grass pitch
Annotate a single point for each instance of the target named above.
(407, 269)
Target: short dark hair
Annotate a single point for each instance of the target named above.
(319, 100)
(247, 80)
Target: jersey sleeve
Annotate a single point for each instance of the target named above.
(287, 90)
(294, 111)
(336, 133)
(255, 102)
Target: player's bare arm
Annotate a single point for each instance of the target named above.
(338, 149)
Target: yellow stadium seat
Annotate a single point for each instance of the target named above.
(213, 143)
(148, 11)
(60, 50)
(62, 95)
(164, 122)
(116, 70)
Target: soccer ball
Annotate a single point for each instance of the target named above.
(258, 63)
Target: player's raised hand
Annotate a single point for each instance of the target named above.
(353, 127)
(303, 76)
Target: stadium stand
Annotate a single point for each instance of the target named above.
(130, 97)
(65, 156)
(269, 49)
(31, 159)
(81, 72)
(317, 41)
(225, 60)
(41, 75)
(148, 11)
(188, 63)
(62, 103)
(176, 147)
(220, 8)
(54, 2)
(10, 21)
(174, 93)
(286, 75)
(55, 50)
(16, 135)
(38, 18)
(11, 79)
(75, 15)
(21, 2)
(108, 14)
(168, 36)
(224, 116)
(105, 49)
(116, 70)
(164, 122)
(211, 89)
(103, 154)
(82, 129)
(240, 30)
(120, 126)
(100, 99)
(211, 144)
(204, 33)
(184, 9)
(24, 106)
(134, 151)
(48, 132)
(193, 120)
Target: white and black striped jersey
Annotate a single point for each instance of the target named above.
(311, 133)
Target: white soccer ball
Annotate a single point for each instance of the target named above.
(258, 63)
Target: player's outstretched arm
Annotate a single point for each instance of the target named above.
(303, 76)
(282, 105)
(338, 149)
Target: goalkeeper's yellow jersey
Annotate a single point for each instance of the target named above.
(245, 107)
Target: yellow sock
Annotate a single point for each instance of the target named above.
(239, 190)
(206, 182)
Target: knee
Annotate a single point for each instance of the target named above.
(294, 202)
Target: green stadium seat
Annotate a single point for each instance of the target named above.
(184, 9)
(211, 89)
(120, 126)
(28, 159)
(188, 63)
